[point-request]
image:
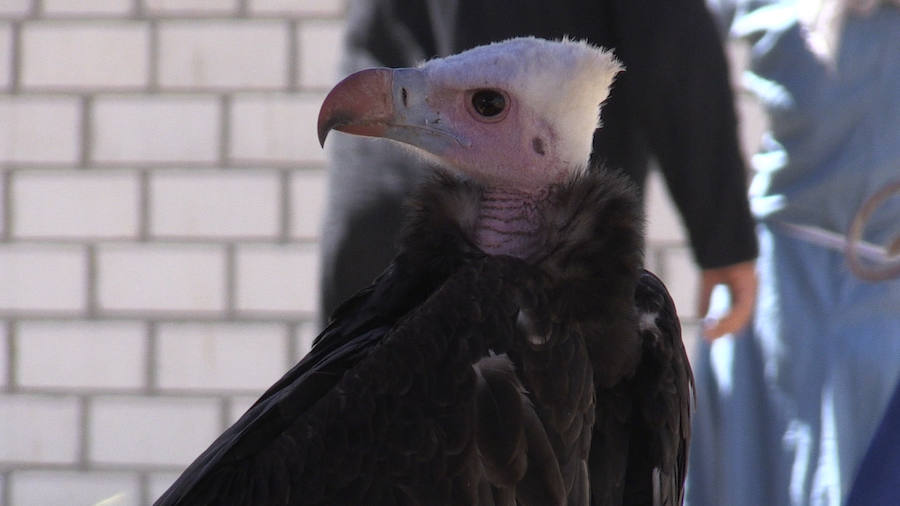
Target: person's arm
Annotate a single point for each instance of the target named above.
(681, 93)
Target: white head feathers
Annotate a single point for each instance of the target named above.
(563, 82)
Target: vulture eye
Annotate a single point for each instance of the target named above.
(489, 104)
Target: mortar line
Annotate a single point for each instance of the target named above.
(225, 105)
(7, 206)
(144, 218)
(12, 363)
(150, 373)
(6, 493)
(287, 204)
(15, 62)
(225, 404)
(91, 300)
(144, 488)
(87, 135)
(293, 54)
(153, 57)
(84, 438)
(230, 282)
(293, 329)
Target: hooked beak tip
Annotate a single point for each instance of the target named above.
(360, 104)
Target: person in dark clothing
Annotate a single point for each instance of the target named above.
(673, 103)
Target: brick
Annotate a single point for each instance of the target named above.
(75, 204)
(215, 204)
(153, 431)
(274, 278)
(42, 278)
(157, 483)
(41, 488)
(39, 429)
(303, 339)
(318, 43)
(682, 278)
(78, 54)
(172, 278)
(223, 54)
(86, 354)
(39, 130)
(15, 8)
(302, 7)
(663, 220)
(220, 356)
(6, 55)
(155, 129)
(240, 405)
(307, 203)
(275, 128)
(190, 6)
(86, 7)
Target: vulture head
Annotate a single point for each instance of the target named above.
(518, 115)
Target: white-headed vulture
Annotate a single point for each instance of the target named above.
(515, 351)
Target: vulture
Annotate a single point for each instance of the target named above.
(515, 351)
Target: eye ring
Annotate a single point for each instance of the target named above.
(488, 105)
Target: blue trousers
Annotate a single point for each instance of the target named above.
(786, 410)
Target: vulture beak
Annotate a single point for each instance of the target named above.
(389, 103)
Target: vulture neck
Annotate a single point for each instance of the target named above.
(509, 222)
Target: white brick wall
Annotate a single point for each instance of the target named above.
(280, 279)
(80, 357)
(155, 129)
(39, 130)
(275, 128)
(307, 203)
(43, 488)
(215, 204)
(160, 431)
(41, 429)
(166, 278)
(319, 69)
(5, 55)
(297, 7)
(214, 356)
(161, 191)
(14, 8)
(75, 204)
(42, 278)
(79, 54)
(84, 8)
(229, 54)
(190, 7)
(4, 355)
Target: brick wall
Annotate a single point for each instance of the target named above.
(160, 194)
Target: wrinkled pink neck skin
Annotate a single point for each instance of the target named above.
(508, 222)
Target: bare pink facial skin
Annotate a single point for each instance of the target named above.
(551, 94)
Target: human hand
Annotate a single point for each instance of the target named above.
(740, 279)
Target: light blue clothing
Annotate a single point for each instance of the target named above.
(785, 411)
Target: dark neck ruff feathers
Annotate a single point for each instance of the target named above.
(591, 220)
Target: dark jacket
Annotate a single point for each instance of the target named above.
(673, 103)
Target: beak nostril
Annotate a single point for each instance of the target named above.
(404, 95)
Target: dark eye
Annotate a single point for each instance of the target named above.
(488, 103)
